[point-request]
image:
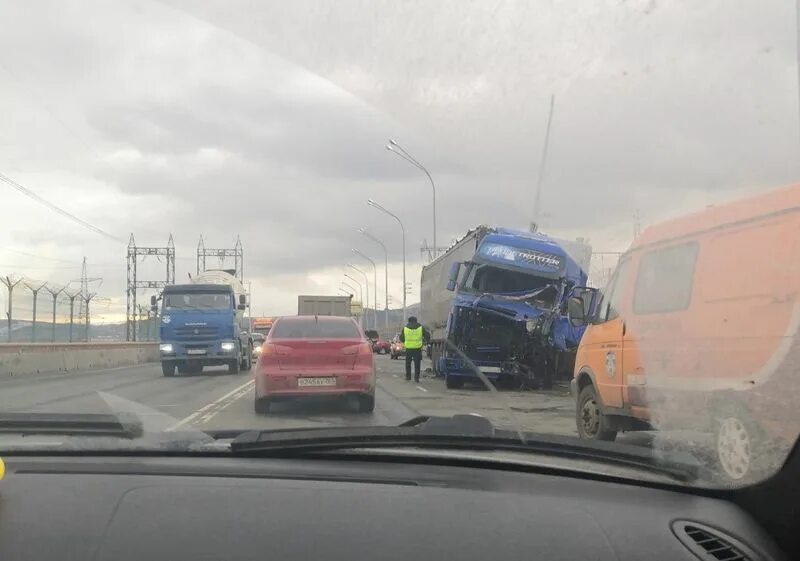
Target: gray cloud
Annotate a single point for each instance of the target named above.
(270, 121)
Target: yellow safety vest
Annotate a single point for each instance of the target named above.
(413, 337)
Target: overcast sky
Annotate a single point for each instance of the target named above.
(228, 118)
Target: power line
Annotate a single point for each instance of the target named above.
(35, 256)
(41, 200)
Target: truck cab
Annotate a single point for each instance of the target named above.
(201, 326)
(518, 312)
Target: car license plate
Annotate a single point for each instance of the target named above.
(195, 351)
(306, 382)
(491, 369)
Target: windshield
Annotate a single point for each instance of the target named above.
(194, 301)
(311, 328)
(578, 219)
(491, 279)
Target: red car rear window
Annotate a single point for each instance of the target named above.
(309, 328)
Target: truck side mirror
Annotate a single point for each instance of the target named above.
(154, 303)
(576, 312)
(242, 302)
(455, 268)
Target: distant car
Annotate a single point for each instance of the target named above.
(258, 339)
(381, 346)
(397, 348)
(315, 356)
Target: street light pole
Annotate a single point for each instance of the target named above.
(374, 287)
(360, 297)
(373, 204)
(398, 150)
(366, 283)
(386, 275)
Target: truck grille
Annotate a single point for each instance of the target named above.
(196, 333)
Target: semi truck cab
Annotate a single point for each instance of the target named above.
(519, 311)
(201, 326)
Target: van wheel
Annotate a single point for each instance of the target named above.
(592, 423)
(168, 369)
(233, 366)
(738, 445)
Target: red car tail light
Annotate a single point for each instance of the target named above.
(270, 352)
(360, 349)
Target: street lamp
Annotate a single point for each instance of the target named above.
(366, 282)
(398, 150)
(373, 204)
(374, 287)
(386, 273)
(360, 292)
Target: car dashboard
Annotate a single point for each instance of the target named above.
(215, 508)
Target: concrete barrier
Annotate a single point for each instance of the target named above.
(32, 358)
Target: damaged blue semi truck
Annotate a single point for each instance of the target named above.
(512, 304)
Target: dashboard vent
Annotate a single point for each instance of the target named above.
(711, 544)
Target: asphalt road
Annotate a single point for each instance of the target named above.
(218, 400)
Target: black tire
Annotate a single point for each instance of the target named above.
(591, 422)
(366, 403)
(168, 369)
(454, 382)
(233, 366)
(261, 405)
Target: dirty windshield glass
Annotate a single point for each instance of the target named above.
(197, 300)
(311, 328)
(575, 219)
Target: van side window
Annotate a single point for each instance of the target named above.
(665, 280)
(611, 297)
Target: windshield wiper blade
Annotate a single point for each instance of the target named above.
(122, 425)
(461, 432)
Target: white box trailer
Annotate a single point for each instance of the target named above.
(323, 306)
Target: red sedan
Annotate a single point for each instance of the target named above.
(315, 356)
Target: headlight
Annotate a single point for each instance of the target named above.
(165, 347)
(228, 346)
(257, 350)
(530, 325)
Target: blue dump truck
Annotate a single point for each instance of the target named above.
(203, 324)
(509, 303)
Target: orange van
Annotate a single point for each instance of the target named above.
(698, 329)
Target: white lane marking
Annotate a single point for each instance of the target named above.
(223, 405)
(420, 388)
(394, 375)
(238, 392)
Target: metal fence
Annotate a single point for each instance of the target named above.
(43, 311)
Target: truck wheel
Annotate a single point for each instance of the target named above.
(168, 369)
(366, 403)
(233, 366)
(592, 423)
(453, 382)
(261, 405)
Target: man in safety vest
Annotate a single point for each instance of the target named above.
(414, 337)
